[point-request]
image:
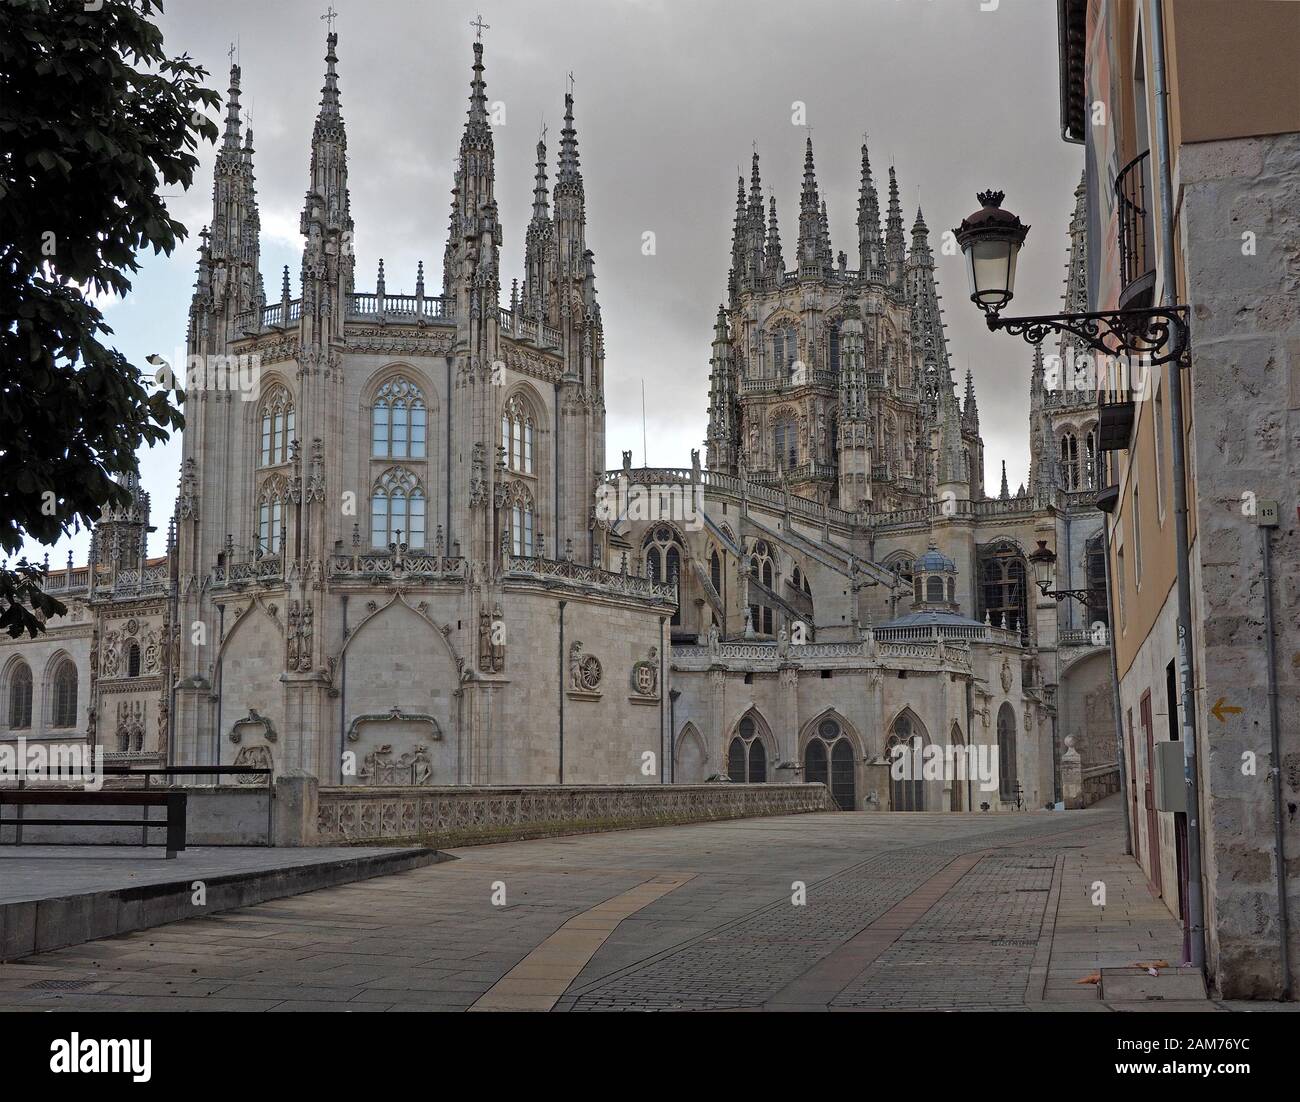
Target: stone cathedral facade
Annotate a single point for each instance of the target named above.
(393, 560)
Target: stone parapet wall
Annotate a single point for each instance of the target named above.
(355, 815)
(1100, 781)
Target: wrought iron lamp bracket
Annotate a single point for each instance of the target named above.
(1160, 332)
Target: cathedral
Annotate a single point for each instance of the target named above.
(397, 557)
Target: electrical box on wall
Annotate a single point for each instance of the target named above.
(1170, 785)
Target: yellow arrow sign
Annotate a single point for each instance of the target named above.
(1220, 708)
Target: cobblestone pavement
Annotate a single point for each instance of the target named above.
(901, 911)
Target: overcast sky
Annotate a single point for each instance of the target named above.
(670, 95)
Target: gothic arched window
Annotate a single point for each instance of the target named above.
(663, 561)
(833, 348)
(399, 421)
(1007, 752)
(763, 569)
(907, 792)
(1003, 597)
(20, 695)
(133, 659)
(786, 443)
(518, 429)
(1069, 461)
(63, 695)
(271, 515)
(519, 520)
(746, 755)
(277, 423)
(397, 510)
(1090, 459)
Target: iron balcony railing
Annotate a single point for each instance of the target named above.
(1136, 251)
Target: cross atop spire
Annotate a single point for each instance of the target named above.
(479, 26)
(329, 17)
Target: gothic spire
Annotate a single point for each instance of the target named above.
(809, 217)
(537, 246)
(230, 140)
(970, 413)
(1004, 493)
(738, 274)
(755, 229)
(923, 292)
(894, 245)
(569, 171)
(327, 259)
(234, 247)
(541, 197)
(871, 248)
(775, 265)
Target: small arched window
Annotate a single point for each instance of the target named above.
(397, 510)
(20, 695)
(833, 348)
(518, 429)
(63, 707)
(277, 422)
(399, 421)
(763, 570)
(133, 659)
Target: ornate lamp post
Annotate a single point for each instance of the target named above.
(1043, 560)
(991, 240)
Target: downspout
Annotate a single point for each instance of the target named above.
(1114, 691)
(1275, 750)
(970, 740)
(219, 688)
(343, 691)
(561, 691)
(447, 545)
(663, 762)
(1195, 919)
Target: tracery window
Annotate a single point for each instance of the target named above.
(518, 520)
(20, 695)
(397, 510)
(518, 430)
(399, 421)
(1069, 461)
(746, 755)
(663, 561)
(786, 442)
(63, 706)
(1007, 752)
(1003, 596)
(763, 569)
(833, 348)
(277, 423)
(907, 793)
(271, 515)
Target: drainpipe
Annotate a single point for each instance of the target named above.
(663, 661)
(561, 691)
(1279, 856)
(1114, 692)
(343, 691)
(1194, 922)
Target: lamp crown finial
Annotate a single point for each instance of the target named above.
(991, 198)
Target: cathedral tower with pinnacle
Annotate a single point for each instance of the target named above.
(831, 381)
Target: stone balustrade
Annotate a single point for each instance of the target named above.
(449, 816)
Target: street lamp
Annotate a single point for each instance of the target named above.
(1043, 560)
(991, 239)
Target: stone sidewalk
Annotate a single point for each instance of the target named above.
(836, 911)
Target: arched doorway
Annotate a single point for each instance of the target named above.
(829, 759)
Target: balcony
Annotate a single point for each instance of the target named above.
(1136, 245)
